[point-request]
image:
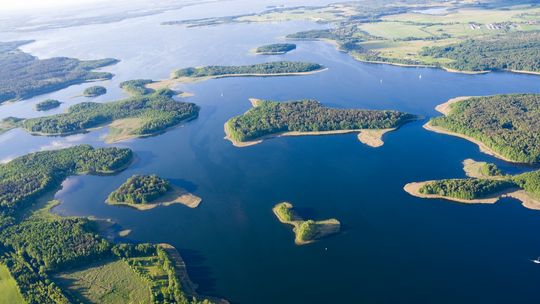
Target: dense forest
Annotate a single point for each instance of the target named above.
(35, 244)
(136, 86)
(270, 117)
(94, 91)
(277, 67)
(140, 189)
(516, 51)
(469, 188)
(24, 179)
(508, 124)
(156, 112)
(276, 48)
(47, 104)
(23, 75)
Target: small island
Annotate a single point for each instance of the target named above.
(306, 231)
(138, 116)
(485, 185)
(94, 91)
(275, 49)
(308, 117)
(47, 104)
(145, 192)
(504, 126)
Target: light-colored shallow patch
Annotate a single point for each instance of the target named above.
(9, 291)
(473, 169)
(176, 195)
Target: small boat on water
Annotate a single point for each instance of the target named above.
(537, 261)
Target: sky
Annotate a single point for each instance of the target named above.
(24, 5)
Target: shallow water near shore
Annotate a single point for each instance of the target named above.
(394, 247)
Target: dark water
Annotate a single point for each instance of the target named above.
(394, 249)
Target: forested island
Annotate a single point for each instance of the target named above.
(276, 68)
(306, 231)
(47, 104)
(138, 116)
(486, 184)
(275, 49)
(308, 117)
(94, 91)
(23, 75)
(506, 126)
(51, 258)
(145, 192)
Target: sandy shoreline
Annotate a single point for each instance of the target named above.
(445, 108)
(414, 190)
(167, 83)
(527, 200)
(370, 137)
(325, 227)
(176, 196)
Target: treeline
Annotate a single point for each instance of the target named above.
(277, 67)
(140, 189)
(516, 51)
(156, 112)
(94, 91)
(23, 75)
(47, 104)
(508, 124)
(25, 178)
(276, 48)
(271, 117)
(469, 188)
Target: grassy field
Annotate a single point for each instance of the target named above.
(106, 282)
(9, 293)
(394, 30)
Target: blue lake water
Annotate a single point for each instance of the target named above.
(394, 248)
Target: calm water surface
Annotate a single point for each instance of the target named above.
(394, 248)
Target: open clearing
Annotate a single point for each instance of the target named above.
(111, 281)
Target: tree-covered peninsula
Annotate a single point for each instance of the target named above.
(487, 185)
(39, 248)
(94, 91)
(306, 231)
(275, 49)
(137, 116)
(47, 104)
(507, 126)
(276, 68)
(309, 117)
(148, 191)
(23, 75)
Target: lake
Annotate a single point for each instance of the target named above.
(394, 248)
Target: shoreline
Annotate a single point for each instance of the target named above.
(526, 199)
(483, 148)
(188, 287)
(444, 108)
(172, 81)
(325, 227)
(369, 137)
(176, 195)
